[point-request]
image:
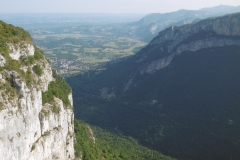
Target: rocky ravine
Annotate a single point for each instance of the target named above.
(28, 128)
(208, 33)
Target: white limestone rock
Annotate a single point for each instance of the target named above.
(18, 50)
(2, 61)
(30, 130)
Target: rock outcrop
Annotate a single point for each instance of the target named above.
(174, 40)
(30, 129)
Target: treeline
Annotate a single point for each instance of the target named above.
(110, 145)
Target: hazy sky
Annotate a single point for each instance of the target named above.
(107, 6)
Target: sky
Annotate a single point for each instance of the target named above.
(107, 6)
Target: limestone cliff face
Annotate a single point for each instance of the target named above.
(28, 128)
(173, 41)
(208, 33)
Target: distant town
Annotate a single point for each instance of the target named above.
(69, 66)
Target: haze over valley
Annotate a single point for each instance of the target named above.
(76, 43)
(130, 84)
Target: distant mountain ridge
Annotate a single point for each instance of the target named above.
(204, 34)
(149, 26)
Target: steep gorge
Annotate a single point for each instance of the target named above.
(178, 95)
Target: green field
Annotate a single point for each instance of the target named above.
(83, 49)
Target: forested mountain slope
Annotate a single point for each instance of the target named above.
(178, 95)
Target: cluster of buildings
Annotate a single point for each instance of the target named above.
(67, 66)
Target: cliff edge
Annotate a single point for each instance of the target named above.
(36, 115)
(212, 32)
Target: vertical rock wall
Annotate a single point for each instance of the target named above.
(29, 129)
